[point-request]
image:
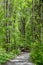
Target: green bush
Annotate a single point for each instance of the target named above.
(37, 53)
(5, 56)
(16, 51)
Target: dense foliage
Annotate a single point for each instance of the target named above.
(14, 24)
(4, 56)
(37, 45)
(21, 28)
(37, 53)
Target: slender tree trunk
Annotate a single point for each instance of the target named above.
(23, 26)
(36, 29)
(7, 14)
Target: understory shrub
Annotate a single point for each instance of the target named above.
(16, 51)
(37, 53)
(5, 56)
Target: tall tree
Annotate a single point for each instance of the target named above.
(36, 20)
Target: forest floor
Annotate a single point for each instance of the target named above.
(23, 59)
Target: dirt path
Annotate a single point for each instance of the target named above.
(23, 59)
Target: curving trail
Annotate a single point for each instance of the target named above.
(23, 59)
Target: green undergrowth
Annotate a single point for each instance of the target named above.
(37, 53)
(6, 56)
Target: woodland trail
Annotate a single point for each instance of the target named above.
(23, 59)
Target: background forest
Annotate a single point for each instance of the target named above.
(21, 29)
